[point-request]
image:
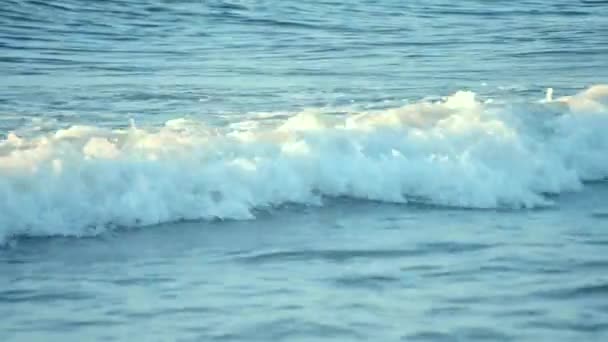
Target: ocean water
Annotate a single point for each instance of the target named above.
(303, 170)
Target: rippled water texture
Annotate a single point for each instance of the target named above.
(78, 61)
(303, 170)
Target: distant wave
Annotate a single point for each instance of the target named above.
(457, 152)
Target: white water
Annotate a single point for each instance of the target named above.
(457, 152)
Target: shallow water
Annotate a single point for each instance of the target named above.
(347, 271)
(265, 170)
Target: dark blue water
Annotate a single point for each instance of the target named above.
(303, 170)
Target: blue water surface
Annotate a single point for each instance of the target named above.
(350, 269)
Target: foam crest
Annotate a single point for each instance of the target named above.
(455, 152)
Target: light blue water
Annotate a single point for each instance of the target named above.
(303, 170)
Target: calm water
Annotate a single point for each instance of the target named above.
(303, 170)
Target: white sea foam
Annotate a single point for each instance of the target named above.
(456, 152)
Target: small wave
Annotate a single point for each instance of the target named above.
(30, 296)
(373, 282)
(458, 152)
(328, 255)
(595, 290)
(600, 215)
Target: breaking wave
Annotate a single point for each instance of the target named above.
(458, 151)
